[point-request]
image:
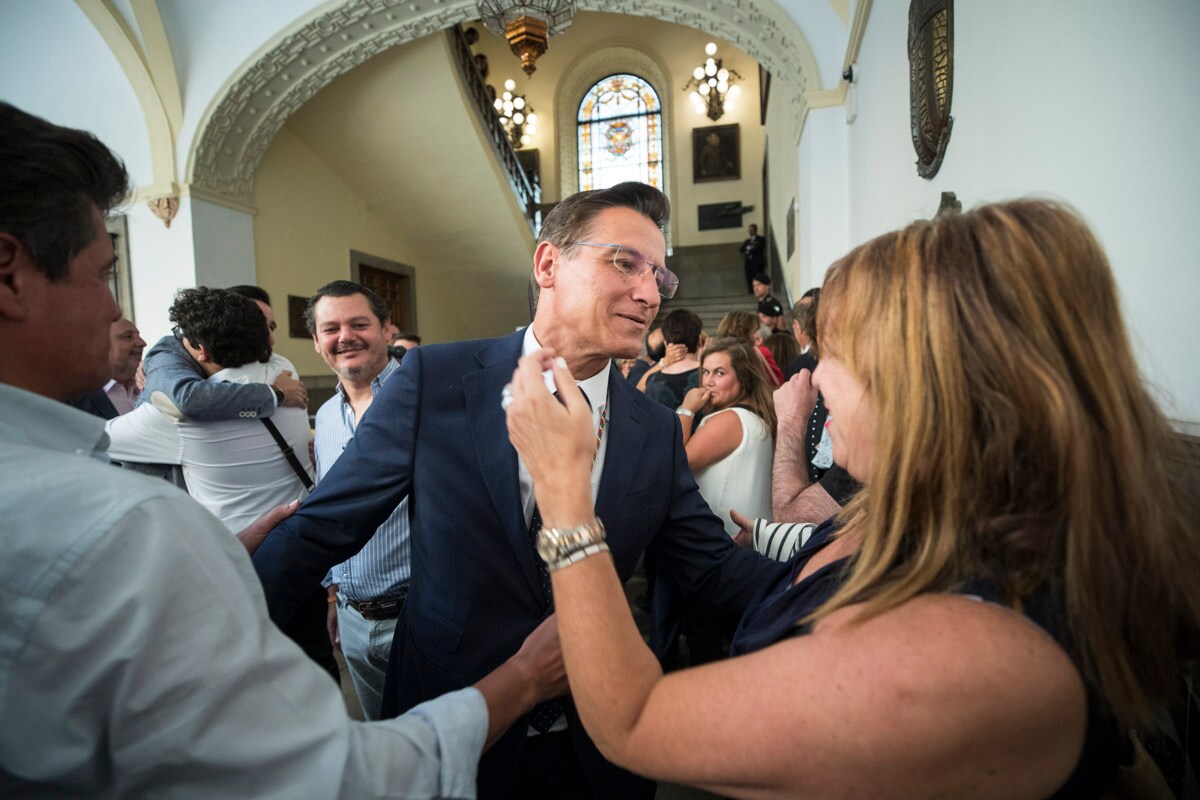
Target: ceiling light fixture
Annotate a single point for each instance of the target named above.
(713, 87)
(527, 25)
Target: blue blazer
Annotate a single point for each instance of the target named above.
(436, 433)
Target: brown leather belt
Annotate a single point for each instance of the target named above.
(382, 608)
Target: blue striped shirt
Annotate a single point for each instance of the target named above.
(384, 564)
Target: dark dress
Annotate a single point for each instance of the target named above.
(775, 615)
(670, 389)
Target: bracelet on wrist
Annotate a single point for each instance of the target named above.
(685, 412)
(578, 555)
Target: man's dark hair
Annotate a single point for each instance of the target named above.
(682, 327)
(253, 292)
(805, 315)
(230, 327)
(569, 220)
(51, 177)
(762, 278)
(411, 337)
(345, 289)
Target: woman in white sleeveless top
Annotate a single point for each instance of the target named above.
(731, 448)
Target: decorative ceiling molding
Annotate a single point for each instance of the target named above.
(290, 69)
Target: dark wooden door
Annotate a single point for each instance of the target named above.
(393, 288)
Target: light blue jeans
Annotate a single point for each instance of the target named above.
(366, 645)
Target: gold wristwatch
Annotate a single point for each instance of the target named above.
(561, 547)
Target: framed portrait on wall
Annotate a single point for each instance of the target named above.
(716, 154)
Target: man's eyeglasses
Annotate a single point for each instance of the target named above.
(178, 332)
(633, 264)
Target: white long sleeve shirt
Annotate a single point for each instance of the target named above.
(137, 658)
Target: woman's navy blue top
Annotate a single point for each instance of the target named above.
(776, 617)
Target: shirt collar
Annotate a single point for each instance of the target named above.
(38, 421)
(376, 382)
(595, 387)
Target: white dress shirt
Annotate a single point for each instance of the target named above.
(233, 468)
(596, 389)
(137, 658)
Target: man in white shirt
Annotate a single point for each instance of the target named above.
(136, 656)
(233, 468)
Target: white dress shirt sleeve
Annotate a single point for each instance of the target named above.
(145, 435)
(153, 670)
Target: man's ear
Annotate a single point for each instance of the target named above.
(17, 274)
(547, 259)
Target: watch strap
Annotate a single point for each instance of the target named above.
(579, 555)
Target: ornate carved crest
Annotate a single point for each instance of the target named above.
(930, 80)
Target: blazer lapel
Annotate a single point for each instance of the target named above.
(497, 458)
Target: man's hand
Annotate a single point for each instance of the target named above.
(254, 533)
(294, 393)
(744, 537)
(533, 674)
(540, 658)
(795, 400)
(331, 621)
(139, 377)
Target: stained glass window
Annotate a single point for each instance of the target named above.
(620, 134)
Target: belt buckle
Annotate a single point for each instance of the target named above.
(380, 609)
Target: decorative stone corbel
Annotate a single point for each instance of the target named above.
(165, 208)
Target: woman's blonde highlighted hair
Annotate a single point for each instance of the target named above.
(1015, 442)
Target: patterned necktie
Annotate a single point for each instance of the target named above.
(544, 714)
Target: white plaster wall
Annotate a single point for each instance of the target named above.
(163, 261)
(223, 240)
(53, 63)
(1091, 101)
(823, 227)
(826, 33)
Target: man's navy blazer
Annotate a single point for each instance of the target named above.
(436, 433)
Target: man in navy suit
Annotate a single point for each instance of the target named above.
(436, 433)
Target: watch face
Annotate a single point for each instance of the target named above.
(547, 546)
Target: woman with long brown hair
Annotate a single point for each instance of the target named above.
(729, 431)
(1013, 590)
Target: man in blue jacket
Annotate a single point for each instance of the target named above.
(436, 434)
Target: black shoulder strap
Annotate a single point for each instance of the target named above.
(288, 452)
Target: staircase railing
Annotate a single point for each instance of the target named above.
(527, 191)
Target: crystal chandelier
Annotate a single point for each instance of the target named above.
(712, 86)
(527, 25)
(516, 115)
